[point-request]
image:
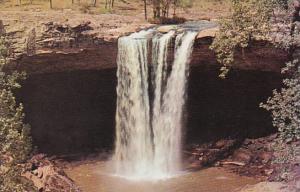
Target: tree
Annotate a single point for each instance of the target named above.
(109, 4)
(166, 7)
(94, 3)
(145, 9)
(156, 9)
(250, 20)
(15, 142)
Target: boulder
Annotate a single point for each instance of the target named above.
(45, 176)
(212, 32)
(266, 187)
(166, 28)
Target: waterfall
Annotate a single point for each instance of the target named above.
(133, 151)
(148, 131)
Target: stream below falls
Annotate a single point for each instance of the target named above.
(94, 177)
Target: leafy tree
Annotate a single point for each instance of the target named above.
(161, 8)
(249, 20)
(109, 4)
(15, 142)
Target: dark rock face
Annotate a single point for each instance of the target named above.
(220, 108)
(73, 112)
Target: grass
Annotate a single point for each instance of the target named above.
(205, 8)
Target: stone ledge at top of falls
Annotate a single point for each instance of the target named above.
(58, 41)
(64, 31)
(207, 29)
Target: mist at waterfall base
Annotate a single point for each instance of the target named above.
(150, 104)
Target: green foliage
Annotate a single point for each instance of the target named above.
(250, 20)
(285, 105)
(286, 156)
(15, 142)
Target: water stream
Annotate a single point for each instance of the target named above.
(148, 132)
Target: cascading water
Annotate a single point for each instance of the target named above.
(148, 133)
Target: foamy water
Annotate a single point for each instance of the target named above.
(148, 132)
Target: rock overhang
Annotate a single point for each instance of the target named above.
(45, 43)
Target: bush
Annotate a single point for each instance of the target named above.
(15, 142)
(285, 105)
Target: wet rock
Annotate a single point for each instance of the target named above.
(209, 153)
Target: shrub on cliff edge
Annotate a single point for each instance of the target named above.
(15, 142)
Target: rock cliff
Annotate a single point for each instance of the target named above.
(56, 41)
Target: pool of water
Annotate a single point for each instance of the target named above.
(94, 177)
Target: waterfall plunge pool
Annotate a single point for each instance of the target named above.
(96, 177)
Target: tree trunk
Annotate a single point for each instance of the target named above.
(145, 9)
(156, 9)
(174, 8)
(165, 7)
(94, 3)
(112, 3)
(106, 4)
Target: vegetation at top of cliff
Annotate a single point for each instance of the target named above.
(15, 142)
(179, 8)
(250, 20)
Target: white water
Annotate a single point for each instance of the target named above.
(148, 136)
